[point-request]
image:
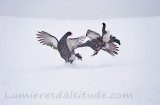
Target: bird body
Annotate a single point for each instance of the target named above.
(63, 48)
(106, 42)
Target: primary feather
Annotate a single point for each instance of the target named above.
(47, 39)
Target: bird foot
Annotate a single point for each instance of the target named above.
(95, 53)
(78, 56)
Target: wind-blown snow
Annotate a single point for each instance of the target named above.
(29, 67)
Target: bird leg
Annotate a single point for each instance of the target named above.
(71, 61)
(78, 56)
(95, 53)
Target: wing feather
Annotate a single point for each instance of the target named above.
(92, 34)
(111, 48)
(47, 39)
(74, 42)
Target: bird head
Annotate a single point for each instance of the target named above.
(103, 24)
(69, 33)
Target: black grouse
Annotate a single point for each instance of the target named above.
(65, 46)
(106, 42)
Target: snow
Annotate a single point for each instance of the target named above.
(29, 67)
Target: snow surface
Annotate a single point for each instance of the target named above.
(26, 66)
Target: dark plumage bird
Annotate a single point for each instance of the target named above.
(65, 46)
(106, 42)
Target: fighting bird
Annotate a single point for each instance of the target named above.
(64, 46)
(106, 42)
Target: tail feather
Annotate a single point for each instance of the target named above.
(111, 48)
(114, 40)
(113, 53)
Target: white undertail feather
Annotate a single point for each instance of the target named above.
(106, 37)
(73, 57)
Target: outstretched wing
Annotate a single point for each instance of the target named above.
(92, 34)
(47, 39)
(111, 48)
(73, 43)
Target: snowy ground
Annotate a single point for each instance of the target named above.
(27, 67)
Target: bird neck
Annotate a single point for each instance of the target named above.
(64, 37)
(104, 27)
(103, 30)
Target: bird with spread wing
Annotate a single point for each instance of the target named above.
(65, 45)
(106, 42)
